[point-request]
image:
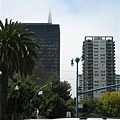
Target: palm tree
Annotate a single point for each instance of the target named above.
(17, 50)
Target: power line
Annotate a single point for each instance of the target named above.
(66, 71)
(66, 79)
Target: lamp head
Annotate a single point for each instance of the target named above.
(72, 63)
(77, 59)
(40, 92)
(16, 87)
(82, 58)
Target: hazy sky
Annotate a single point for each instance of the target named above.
(77, 19)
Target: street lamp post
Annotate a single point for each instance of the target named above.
(35, 96)
(72, 63)
(16, 89)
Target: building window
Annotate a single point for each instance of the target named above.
(102, 58)
(95, 45)
(95, 41)
(102, 54)
(96, 68)
(96, 71)
(102, 61)
(96, 85)
(96, 81)
(95, 51)
(102, 48)
(95, 48)
(96, 74)
(95, 64)
(102, 74)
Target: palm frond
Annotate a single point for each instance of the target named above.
(17, 47)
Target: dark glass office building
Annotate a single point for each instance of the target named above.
(48, 37)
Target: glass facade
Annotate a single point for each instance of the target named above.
(48, 37)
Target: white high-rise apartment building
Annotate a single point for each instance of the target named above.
(117, 80)
(99, 64)
(81, 84)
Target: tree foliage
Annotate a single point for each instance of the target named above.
(58, 101)
(89, 107)
(26, 91)
(51, 103)
(17, 47)
(55, 102)
(109, 104)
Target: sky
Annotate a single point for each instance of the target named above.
(77, 19)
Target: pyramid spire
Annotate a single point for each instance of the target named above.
(50, 16)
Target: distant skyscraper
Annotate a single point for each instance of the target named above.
(50, 17)
(48, 37)
(99, 64)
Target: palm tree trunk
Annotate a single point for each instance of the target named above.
(4, 86)
(0, 95)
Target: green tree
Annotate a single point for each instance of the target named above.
(62, 88)
(55, 107)
(58, 101)
(89, 106)
(109, 104)
(51, 104)
(17, 50)
(26, 91)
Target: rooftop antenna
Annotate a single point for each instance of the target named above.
(50, 17)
